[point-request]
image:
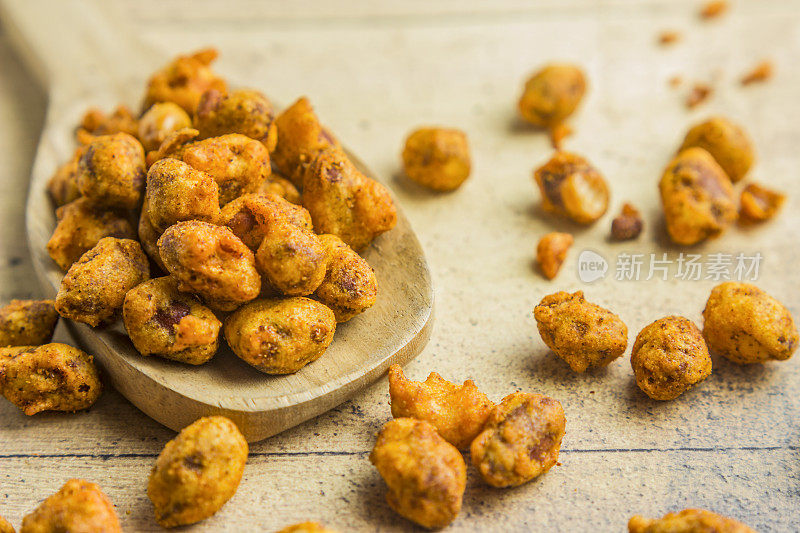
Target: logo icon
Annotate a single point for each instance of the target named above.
(591, 266)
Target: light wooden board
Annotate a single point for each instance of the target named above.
(731, 445)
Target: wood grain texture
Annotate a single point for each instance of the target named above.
(730, 445)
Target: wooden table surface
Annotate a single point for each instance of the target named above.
(375, 71)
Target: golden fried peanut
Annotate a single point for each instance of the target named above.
(80, 227)
(172, 145)
(552, 94)
(237, 163)
(457, 412)
(212, 262)
(51, 377)
(159, 122)
(551, 252)
(244, 111)
(78, 507)
(520, 441)
(95, 123)
(687, 521)
(572, 187)
(148, 236)
(63, 185)
(161, 320)
(94, 288)
(112, 171)
(747, 325)
(27, 322)
(177, 192)
(184, 80)
(197, 471)
(292, 258)
(669, 357)
(345, 202)
(350, 286)
(249, 215)
(697, 197)
(437, 158)
(303, 527)
(727, 143)
(757, 203)
(300, 138)
(579, 332)
(426, 476)
(5, 526)
(280, 335)
(628, 224)
(282, 187)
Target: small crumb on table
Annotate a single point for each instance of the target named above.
(760, 73)
(698, 94)
(713, 9)
(668, 37)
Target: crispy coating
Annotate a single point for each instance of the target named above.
(426, 476)
(51, 377)
(572, 187)
(292, 259)
(210, 261)
(551, 252)
(284, 188)
(27, 322)
(345, 202)
(581, 333)
(300, 138)
(669, 357)
(520, 441)
(94, 288)
(697, 197)
(727, 143)
(63, 185)
(184, 80)
(249, 215)
(5, 526)
(747, 325)
(280, 335)
(757, 203)
(628, 224)
(687, 521)
(159, 122)
(303, 527)
(350, 286)
(161, 320)
(437, 158)
(177, 192)
(95, 123)
(78, 507)
(197, 471)
(172, 145)
(244, 111)
(148, 236)
(112, 171)
(552, 94)
(457, 412)
(80, 227)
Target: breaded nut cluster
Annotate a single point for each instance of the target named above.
(727, 143)
(758, 203)
(349, 287)
(197, 472)
(27, 322)
(184, 80)
(79, 506)
(159, 122)
(437, 158)
(570, 186)
(177, 192)
(246, 112)
(112, 171)
(552, 94)
(581, 333)
(687, 521)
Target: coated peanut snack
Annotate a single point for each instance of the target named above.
(552, 94)
(51, 377)
(520, 441)
(80, 227)
(305, 527)
(161, 320)
(572, 187)
(669, 357)
(275, 184)
(581, 333)
(244, 111)
(628, 224)
(551, 252)
(94, 288)
(437, 158)
(96, 123)
(27, 322)
(184, 80)
(697, 197)
(249, 215)
(5, 527)
(426, 476)
(112, 171)
(197, 472)
(159, 122)
(177, 192)
(687, 521)
(350, 286)
(747, 325)
(63, 185)
(457, 412)
(727, 143)
(280, 335)
(210, 261)
(758, 203)
(79, 506)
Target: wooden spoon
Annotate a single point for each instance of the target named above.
(82, 54)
